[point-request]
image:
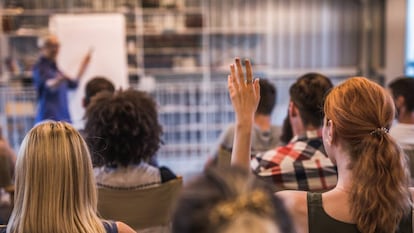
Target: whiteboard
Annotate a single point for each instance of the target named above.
(105, 35)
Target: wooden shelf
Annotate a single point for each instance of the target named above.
(163, 11)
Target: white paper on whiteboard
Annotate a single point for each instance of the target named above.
(105, 35)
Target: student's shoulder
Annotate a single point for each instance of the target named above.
(295, 201)
(275, 129)
(229, 129)
(124, 228)
(296, 204)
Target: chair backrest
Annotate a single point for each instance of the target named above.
(141, 208)
(410, 154)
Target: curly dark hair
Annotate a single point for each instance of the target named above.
(308, 94)
(122, 128)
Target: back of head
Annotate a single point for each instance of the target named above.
(96, 85)
(55, 187)
(361, 113)
(287, 132)
(229, 200)
(49, 46)
(122, 128)
(268, 96)
(308, 93)
(404, 86)
(47, 40)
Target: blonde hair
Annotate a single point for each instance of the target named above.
(229, 199)
(361, 112)
(55, 186)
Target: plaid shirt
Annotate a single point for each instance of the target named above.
(302, 165)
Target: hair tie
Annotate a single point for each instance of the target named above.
(379, 131)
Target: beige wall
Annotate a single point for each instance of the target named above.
(395, 24)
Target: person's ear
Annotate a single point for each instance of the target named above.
(330, 132)
(293, 110)
(400, 101)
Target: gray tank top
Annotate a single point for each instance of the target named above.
(320, 222)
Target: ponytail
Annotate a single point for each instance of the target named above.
(362, 112)
(379, 168)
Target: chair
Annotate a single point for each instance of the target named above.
(410, 154)
(141, 208)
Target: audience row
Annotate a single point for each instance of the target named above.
(350, 173)
(372, 192)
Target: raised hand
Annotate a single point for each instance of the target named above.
(245, 96)
(244, 92)
(87, 58)
(84, 64)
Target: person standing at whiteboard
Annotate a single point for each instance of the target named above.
(51, 84)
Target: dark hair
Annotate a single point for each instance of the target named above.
(96, 85)
(308, 93)
(268, 96)
(287, 132)
(218, 197)
(404, 86)
(122, 128)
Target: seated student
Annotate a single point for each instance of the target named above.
(302, 164)
(123, 135)
(96, 85)
(265, 136)
(92, 88)
(402, 90)
(229, 200)
(55, 187)
(7, 161)
(372, 194)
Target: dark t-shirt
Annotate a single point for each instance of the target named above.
(321, 222)
(166, 174)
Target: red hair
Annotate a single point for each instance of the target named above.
(361, 112)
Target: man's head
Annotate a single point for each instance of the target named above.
(306, 96)
(96, 85)
(402, 90)
(49, 46)
(267, 97)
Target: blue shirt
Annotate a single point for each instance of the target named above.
(52, 102)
